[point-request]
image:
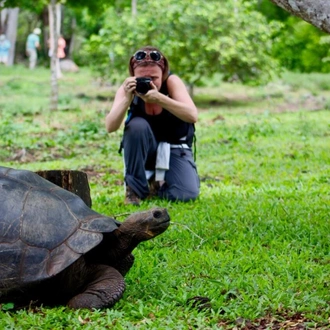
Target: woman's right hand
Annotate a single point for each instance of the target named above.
(129, 85)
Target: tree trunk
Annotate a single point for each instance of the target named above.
(8, 26)
(3, 16)
(134, 7)
(12, 33)
(73, 181)
(316, 12)
(58, 33)
(53, 40)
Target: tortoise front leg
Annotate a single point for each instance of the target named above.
(105, 288)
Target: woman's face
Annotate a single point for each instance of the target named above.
(152, 71)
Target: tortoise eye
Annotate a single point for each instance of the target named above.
(157, 214)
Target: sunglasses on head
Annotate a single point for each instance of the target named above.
(140, 55)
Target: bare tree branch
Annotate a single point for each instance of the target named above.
(315, 12)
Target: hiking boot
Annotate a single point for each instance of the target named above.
(153, 188)
(131, 197)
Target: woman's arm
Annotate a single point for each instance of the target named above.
(179, 103)
(120, 105)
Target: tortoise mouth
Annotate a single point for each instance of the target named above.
(166, 220)
(160, 227)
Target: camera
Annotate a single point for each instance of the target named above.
(143, 85)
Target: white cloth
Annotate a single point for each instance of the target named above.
(162, 160)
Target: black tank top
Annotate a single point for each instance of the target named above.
(165, 126)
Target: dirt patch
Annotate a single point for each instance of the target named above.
(309, 103)
(258, 104)
(25, 155)
(97, 175)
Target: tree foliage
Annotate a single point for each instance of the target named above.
(95, 6)
(299, 47)
(230, 37)
(270, 10)
(199, 38)
(31, 5)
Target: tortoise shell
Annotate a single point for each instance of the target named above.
(43, 228)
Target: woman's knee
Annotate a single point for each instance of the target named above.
(178, 193)
(136, 127)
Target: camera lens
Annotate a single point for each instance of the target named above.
(143, 85)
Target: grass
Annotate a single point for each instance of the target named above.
(252, 251)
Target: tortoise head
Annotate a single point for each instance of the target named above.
(145, 225)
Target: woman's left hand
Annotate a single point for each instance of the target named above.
(151, 96)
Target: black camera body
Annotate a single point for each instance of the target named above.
(143, 85)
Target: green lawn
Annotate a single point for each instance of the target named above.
(253, 250)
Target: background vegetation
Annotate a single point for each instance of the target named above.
(251, 252)
(247, 41)
(219, 34)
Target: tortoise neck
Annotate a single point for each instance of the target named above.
(126, 242)
(113, 248)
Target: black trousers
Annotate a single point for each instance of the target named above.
(140, 150)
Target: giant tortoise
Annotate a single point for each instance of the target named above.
(56, 250)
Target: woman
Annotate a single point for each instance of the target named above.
(158, 133)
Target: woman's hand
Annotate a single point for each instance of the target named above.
(129, 86)
(151, 96)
